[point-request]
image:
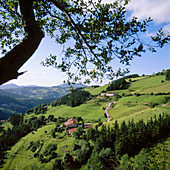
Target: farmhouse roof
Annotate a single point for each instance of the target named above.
(109, 92)
(72, 130)
(70, 121)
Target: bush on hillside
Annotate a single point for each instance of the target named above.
(73, 99)
(152, 104)
(167, 75)
(131, 76)
(117, 85)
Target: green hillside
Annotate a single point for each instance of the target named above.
(145, 97)
(18, 99)
(145, 84)
(150, 84)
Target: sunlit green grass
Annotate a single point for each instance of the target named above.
(143, 114)
(123, 110)
(150, 84)
(89, 111)
(160, 99)
(126, 108)
(95, 91)
(21, 158)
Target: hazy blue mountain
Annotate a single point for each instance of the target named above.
(65, 85)
(18, 99)
(14, 95)
(37, 92)
(9, 86)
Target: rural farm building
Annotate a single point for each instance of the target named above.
(71, 123)
(108, 94)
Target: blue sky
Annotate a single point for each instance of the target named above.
(158, 10)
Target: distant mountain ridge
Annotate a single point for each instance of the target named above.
(18, 99)
(37, 92)
(63, 85)
(13, 86)
(9, 86)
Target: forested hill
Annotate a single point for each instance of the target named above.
(18, 99)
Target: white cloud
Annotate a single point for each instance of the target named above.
(158, 10)
(167, 28)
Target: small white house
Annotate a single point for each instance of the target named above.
(110, 94)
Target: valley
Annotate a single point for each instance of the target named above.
(106, 144)
(17, 99)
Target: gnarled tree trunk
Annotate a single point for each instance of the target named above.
(14, 59)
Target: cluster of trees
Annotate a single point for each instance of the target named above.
(148, 158)
(4, 115)
(131, 76)
(109, 148)
(47, 155)
(73, 99)
(117, 84)
(167, 75)
(40, 109)
(105, 147)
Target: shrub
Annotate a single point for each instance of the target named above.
(117, 84)
(33, 148)
(40, 158)
(152, 104)
(49, 149)
(167, 75)
(57, 164)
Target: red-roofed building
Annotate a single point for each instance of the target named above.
(72, 130)
(3, 121)
(71, 123)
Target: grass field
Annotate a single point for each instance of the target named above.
(150, 84)
(19, 157)
(96, 91)
(126, 108)
(161, 99)
(89, 111)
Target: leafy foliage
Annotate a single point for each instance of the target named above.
(40, 109)
(131, 76)
(167, 75)
(98, 33)
(117, 85)
(16, 119)
(73, 99)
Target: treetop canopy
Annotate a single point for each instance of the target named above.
(97, 33)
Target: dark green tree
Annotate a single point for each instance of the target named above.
(117, 84)
(167, 75)
(98, 33)
(78, 133)
(16, 119)
(67, 159)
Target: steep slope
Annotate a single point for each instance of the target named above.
(127, 105)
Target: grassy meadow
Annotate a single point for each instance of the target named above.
(124, 109)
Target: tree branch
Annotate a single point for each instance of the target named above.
(14, 59)
(75, 27)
